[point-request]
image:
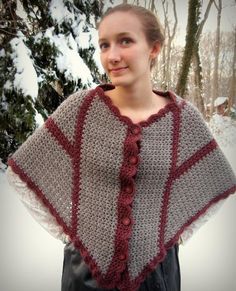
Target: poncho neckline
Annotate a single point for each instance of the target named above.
(101, 89)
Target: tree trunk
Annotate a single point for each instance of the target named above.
(232, 90)
(198, 67)
(167, 47)
(198, 81)
(192, 28)
(215, 91)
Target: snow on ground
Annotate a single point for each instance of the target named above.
(31, 260)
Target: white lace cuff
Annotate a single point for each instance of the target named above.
(194, 227)
(36, 207)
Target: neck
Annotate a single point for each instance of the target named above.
(135, 97)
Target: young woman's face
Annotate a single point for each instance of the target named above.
(125, 53)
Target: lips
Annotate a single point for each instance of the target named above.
(117, 70)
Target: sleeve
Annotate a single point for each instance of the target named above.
(35, 207)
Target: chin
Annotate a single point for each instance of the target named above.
(119, 82)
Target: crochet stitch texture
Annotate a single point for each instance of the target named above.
(123, 192)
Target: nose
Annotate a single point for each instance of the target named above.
(114, 54)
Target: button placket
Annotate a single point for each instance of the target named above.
(128, 173)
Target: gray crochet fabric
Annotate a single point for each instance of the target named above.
(123, 192)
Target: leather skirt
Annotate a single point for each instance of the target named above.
(77, 277)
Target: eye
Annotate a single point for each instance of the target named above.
(126, 41)
(103, 46)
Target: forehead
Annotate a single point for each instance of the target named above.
(120, 22)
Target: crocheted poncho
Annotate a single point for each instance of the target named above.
(123, 192)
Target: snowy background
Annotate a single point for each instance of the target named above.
(31, 260)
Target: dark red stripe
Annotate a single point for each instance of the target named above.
(32, 186)
(83, 111)
(118, 267)
(202, 212)
(195, 158)
(175, 144)
(53, 128)
(125, 119)
(114, 270)
(161, 256)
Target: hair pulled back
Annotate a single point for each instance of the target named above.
(151, 25)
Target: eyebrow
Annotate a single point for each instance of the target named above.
(118, 35)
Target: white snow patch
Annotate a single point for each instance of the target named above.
(8, 85)
(59, 12)
(69, 61)
(20, 11)
(224, 130)
(96, 56)
(25, 77)
(2, 53)
(39, 119)
(220, 101)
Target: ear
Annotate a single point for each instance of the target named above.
(155, 50)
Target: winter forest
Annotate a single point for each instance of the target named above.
(49, 50)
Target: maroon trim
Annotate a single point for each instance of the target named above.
(32, 186)
(53, 128)
(195, 158)
(201, 212)
(154, 117)
(118, 266)
(76, 159)
(112, 107)
(175, 145)
(95, 270)
(163, 251)
(175, 173)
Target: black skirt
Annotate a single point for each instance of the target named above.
(77, 277)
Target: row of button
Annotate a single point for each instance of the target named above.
(132, 161)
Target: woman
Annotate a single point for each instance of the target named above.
(122, 172)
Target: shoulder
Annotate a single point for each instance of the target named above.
(187, 108)
(72, 102)
(76, 97)
(190, 111)
(191, 119)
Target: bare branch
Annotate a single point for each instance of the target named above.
(176, 20)
(204, 19)
(216, 5)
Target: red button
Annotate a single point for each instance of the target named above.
(136, 130)
(133, 160)
(126, 221)
(129, 189)
(122, 257)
